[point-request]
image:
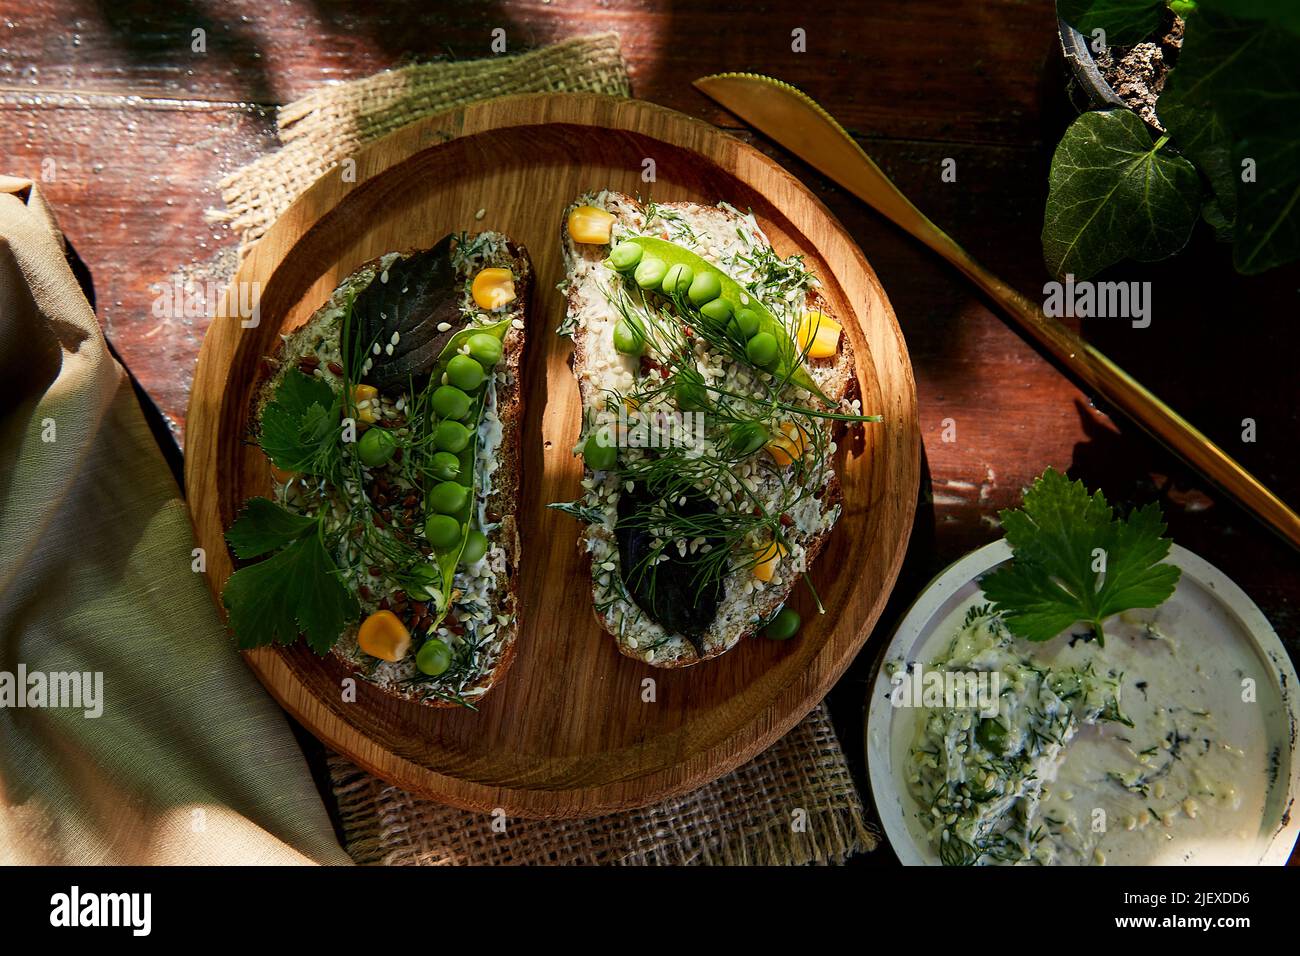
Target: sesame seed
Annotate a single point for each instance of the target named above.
(395, 339)
(444, 326)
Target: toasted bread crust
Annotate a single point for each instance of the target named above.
(836, 376)
(504, 498)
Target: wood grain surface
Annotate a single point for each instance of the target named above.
(568, 732)
(128, 131)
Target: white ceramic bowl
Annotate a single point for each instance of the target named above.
(1208, 606)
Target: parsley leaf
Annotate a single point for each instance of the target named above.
(299, 425)
(265, 526)
(1058, 538)
(296, 590)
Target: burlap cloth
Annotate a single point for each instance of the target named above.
(749, 816)
(188, 760)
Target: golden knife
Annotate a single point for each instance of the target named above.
(794, 120)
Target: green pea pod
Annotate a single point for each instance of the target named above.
(788, 360)
(449, 558)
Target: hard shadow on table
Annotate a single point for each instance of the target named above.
(1133, 470)
(153, 416)
(847, 700)
(229, 41)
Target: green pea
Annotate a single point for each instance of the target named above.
(433, 657)
(717, 311)
(600, 452)
(784, 626)
(691, 395)
(678, 280)
(476, 545)
(754, 316)
(376, 447)
(447, 497)
(486, 349)
(706, 288)
(761, 349)
(464, 372)
(625, 256)
(444, 465)
(443, 531)
(451, 436)
(650, 272)
(748, 437)
(450, 402)
(745, 323)
(626, 339)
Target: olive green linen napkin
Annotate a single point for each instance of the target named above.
(165, 749)
(795, 803)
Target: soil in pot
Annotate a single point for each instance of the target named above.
(1137, 73)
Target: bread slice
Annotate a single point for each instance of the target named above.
(734, 242)
(483, 623)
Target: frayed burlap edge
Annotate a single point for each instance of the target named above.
(329, 125)
(793, 804)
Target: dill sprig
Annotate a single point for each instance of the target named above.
(674, 330)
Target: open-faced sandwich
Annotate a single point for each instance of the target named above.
(390, 420)
(714, 382)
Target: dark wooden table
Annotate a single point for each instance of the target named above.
(130, 132)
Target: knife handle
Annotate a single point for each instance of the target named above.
(1087, 363)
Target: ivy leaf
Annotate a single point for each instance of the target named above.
(299, 424)
(1206, 140)
(1245, 71)
(1242, 77)
(1268, 228)
(1113, 194)
(265, 526)
(1060, 535)
(1124, 22)
(296, 590)
(1283, 13)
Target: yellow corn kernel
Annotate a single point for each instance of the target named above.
(768, 558)
(370, 396)
(493, 288)
(383, 635)
(789, 447)
(589, 224)
(819, 334)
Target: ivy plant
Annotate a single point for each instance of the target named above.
(1230, 153)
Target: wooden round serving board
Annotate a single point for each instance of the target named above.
(567, 733)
